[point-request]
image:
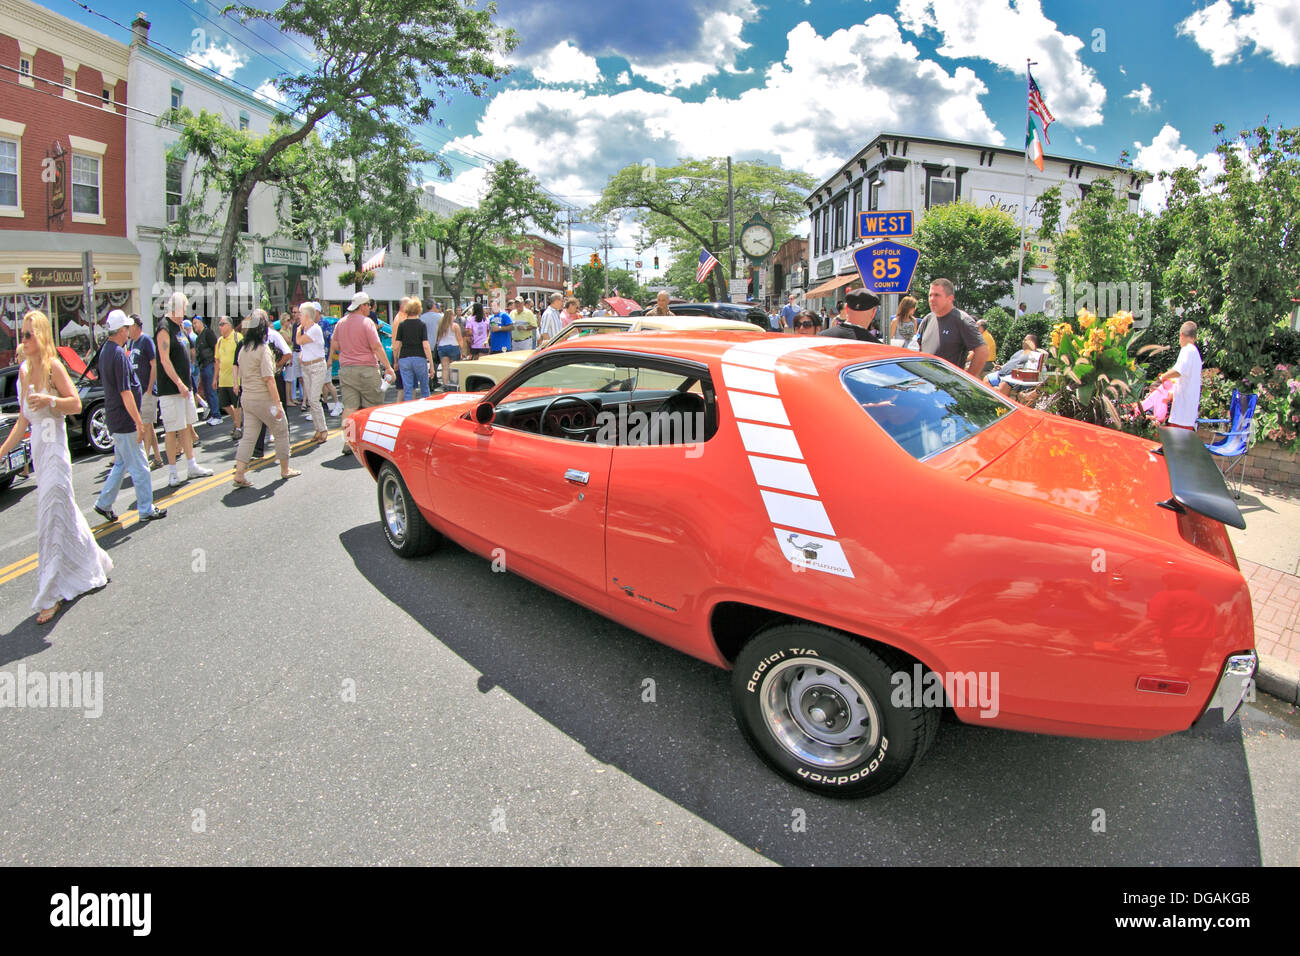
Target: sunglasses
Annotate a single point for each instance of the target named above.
(28, 335)
(805, 325)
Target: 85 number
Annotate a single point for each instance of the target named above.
(886, 269)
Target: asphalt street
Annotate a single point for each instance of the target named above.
(279, 688)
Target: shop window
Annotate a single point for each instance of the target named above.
(85, 185)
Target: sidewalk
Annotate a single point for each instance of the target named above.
(1268, 552)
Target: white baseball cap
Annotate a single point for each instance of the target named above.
(117, 319)
(358, 300)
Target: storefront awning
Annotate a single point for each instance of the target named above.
(826, 288)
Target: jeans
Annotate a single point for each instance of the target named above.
(209, 393)
(128, 458)
(415, 371)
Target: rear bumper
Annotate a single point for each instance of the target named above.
(1236, 684)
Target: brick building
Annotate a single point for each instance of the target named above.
(62, 173)
(539, 273)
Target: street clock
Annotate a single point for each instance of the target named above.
(757, 238)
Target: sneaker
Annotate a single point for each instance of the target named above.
(197, 471)
(237, 433)
(216, 421)
(175, 480)
(154, 515)
(106, 513)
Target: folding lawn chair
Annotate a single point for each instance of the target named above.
(1230, 447)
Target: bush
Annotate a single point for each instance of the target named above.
(999, 321)
(1161, 331)
(1282, 348)
(1034, 322)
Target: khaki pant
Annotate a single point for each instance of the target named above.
(313, 377)
(257, 412)
(361, 387)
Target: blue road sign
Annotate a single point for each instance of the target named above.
(891, 224)
(887, 266)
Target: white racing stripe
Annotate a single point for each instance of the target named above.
(382, 428)
(800, 525)
(384, 424)
(380, 441)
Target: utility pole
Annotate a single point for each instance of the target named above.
(731, 219)
(569, 219)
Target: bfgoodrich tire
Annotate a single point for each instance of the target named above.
(407, 532)
(815, 704)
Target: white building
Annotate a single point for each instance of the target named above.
(409, 268)
(897, 171)
(156, 188)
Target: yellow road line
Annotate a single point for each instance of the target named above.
(184, 492)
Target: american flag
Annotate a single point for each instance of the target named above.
(1038, 107)
(707, 262)
(374, 262)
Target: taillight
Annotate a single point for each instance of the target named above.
(1208, 535)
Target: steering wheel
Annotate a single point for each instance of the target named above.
(595, 413)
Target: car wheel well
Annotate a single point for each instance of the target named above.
(733, 623)
(373, 462)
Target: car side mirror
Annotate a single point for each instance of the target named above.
(484, 412)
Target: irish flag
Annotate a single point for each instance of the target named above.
(1034, 143)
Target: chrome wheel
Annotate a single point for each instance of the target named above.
(394, 508)
(97, 432)
(818, 713)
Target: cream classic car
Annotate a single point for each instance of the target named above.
(479, 375)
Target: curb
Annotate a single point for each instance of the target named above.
(1279, 679)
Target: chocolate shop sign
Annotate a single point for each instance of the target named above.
(40, 277)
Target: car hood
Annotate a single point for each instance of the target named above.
(434, 410)
(1094, 471)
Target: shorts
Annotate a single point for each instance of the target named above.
(475, 353)
(149, 408)
(361, 386)
(226, 398)
(449, 352)
(177, 412)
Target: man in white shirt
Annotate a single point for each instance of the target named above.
(552, 323)
(1186, 406)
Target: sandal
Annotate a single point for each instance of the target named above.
(241, 483)
(49, 613)
(291, 473)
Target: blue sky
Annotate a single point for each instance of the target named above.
(599, 85)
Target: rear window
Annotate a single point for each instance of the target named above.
(924, 405)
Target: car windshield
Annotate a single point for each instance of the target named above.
(924, 405)
(579, 330)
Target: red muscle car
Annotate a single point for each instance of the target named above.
(866, 536)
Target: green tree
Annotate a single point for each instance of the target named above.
(1099, 244)
(685, 207)
(481, 246)
(975, 247)
(362, 183)
(1237, 260)
(591, 284)
(387, 60)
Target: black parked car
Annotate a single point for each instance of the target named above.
(12, 464)
(91, 426)
(719, 310)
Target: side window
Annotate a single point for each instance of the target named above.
(612, 403)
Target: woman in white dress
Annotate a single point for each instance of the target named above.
(71, 563)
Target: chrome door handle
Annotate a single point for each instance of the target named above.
(581, 477)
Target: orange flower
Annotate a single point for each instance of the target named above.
(1086, 319)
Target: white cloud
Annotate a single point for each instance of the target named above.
(623, 79)
(1143, 96)
(562, 63)
(814, 110)
(1273, 26)
(1122, 71)
(268, 92)
(1081, 143)
(224, 60)
(1005, 33)
(1166, 153)
(718, 47)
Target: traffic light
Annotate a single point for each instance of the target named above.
(593, 260)
(530, 262)
(656, 262)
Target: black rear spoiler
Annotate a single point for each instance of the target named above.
(1194, 479)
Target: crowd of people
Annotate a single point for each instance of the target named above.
(255, 373)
